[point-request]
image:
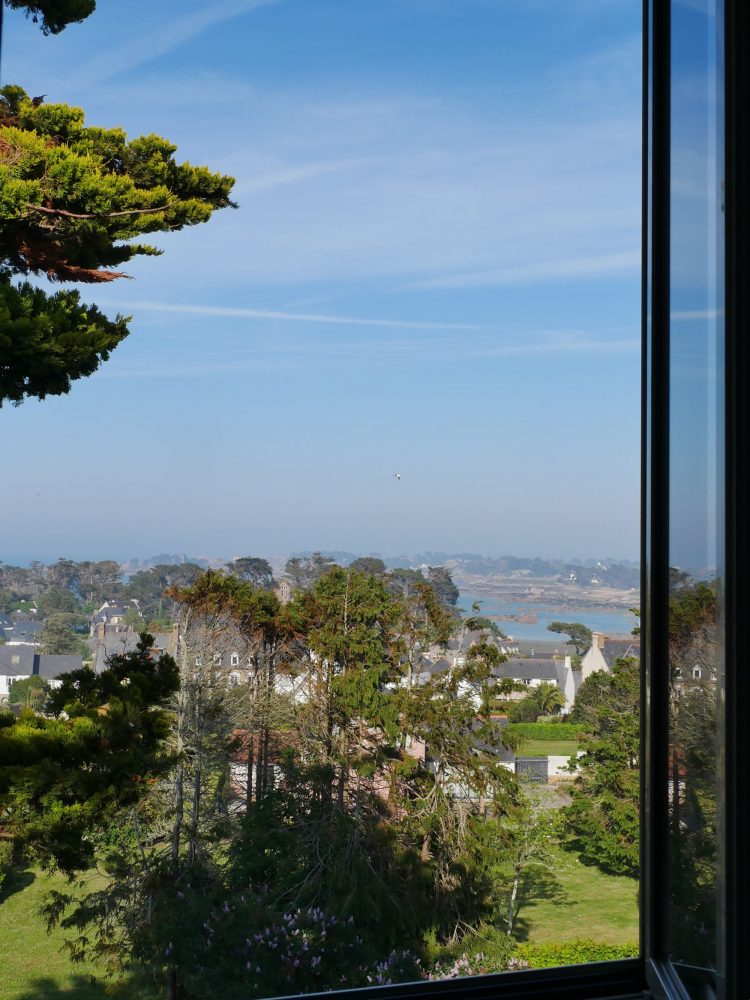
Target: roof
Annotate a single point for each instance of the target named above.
(23, 661)
(117, 643)
(24, 632)
(114, 611)
(615, 649)
(51, 665)
(469, 637)
(17, 660)
(428, 666)
(527, 669)
(499, 751)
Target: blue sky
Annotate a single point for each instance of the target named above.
(434, 270)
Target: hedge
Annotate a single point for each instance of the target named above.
(545, 730)
(578, 952)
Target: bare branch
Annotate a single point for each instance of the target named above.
(95, 215)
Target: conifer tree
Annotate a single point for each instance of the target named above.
(64, 774)
(54, 15)
(74, 199)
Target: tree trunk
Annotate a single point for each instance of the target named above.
(173, 987)
(250, 761)
(195, 813)
(178, 814)
(512, 904)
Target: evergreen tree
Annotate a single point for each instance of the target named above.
(73, 202)
(58, 636)
(63, 775)
(580, 635)
(54, 15)
(253, 570)
(445, 588)
(603, 819)
(305, 570)
(369, 564)
(58, 599)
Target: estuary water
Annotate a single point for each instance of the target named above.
(612, 621)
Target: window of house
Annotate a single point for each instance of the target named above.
(235, 659)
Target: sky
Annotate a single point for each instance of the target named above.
(433, 271)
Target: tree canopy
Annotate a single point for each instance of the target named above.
(74, 199)
(253, 570)
(580, 634)
(54, 15)
(65, 773)
(58, 636)
(603, 818)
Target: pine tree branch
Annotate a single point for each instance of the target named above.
(95, 215)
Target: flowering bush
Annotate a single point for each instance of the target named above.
(462, 966)
(301, 951)
(308, 950)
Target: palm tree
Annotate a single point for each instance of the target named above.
(549, 698)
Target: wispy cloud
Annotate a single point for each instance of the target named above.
(242, 312)
(297, 174)
(602, 265)
(275, 354)
(159, 39)
(566, 343)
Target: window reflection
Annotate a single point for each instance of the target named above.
(695, 474)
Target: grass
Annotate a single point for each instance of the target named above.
(568, 902)
(34, 965)
(544, 748)
(574, 900)
(566, 915)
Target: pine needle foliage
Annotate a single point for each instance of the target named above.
(74, 201)
(53, 16)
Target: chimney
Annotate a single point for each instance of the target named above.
(598, 639)
(101, 631)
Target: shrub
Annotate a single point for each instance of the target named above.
(6, 859)
(578, 952)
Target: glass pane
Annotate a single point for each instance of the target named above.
(392, 403)
(696, 519)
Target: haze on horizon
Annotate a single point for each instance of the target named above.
(434, 271)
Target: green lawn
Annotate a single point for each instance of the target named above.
(545, 748)
(577, 901)
(568, 902)
(34, 966)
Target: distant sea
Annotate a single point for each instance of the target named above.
(608, 620)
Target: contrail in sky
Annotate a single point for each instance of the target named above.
(290, 317)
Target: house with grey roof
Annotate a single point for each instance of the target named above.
(533, 671)
(112, 614)
(530, 671)
(24, 634)
(605, 650)
(110, 641)
(20, 662)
